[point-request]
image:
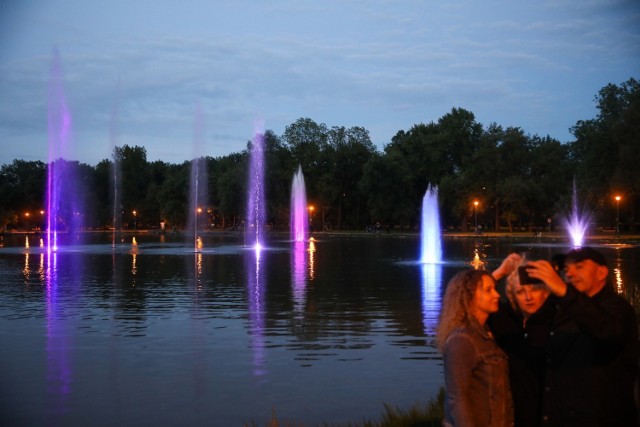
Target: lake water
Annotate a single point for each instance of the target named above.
(108, 333)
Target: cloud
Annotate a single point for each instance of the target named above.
(381, 65)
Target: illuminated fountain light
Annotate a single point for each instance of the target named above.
(198, 194)
(115, 172)
(256, 203)
(577, 224)
(299, 219)
(431, 244)
(63, 213)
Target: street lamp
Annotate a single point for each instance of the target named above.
(475, 213)
(310, 208)
(135, 214)
(618, 214)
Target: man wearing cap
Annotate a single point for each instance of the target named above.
(592, 351)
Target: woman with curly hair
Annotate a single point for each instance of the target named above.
(475, 368)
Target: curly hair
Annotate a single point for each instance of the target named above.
(456, 305)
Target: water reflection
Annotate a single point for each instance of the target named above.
(41, 270)
(198, 270)
(59, 366)
(26, 270)
(478, 261)
(228, 332)
(431, 299)
(134, 265)
(617, 276)
(299, 276)
(312, 257)
(256, 309)
(617, 272)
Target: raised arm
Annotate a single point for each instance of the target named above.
(509, 264)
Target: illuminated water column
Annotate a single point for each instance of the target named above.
(63, 213)
(431, 248)
(115, 171)
(116, 197)
(198, 194)
(59, 127)
(576, 224)
(299, 218)
(256, 204)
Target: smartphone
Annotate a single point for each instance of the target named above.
(525, 279)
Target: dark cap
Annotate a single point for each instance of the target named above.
(584, 253)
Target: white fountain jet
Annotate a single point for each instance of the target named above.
(256, 206)
(430, 231)
(299, 218)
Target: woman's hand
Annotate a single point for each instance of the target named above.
(510, 263)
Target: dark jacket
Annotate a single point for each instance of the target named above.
(476, 380)
(525, 346)
(592, 360)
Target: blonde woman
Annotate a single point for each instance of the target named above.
(475, 368)
(521, 328)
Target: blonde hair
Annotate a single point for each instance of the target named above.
(513, 280)
(457, 303)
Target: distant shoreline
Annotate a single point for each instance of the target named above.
(602, 236)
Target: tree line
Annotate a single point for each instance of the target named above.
(501, 178)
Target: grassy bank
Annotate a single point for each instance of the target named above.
(429, 414)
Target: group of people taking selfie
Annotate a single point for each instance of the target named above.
(561, 350)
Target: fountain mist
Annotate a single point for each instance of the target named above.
(115, 171)
(62, 214)
(577, 224)
(254, 233)
(198, 194)
(430, 232)
(299, 220)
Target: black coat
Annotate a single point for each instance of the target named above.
(525, 345)
(592, 361)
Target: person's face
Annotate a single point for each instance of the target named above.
(586, 276)
(530, 297)
(485, 299)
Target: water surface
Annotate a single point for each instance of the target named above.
(152, 333)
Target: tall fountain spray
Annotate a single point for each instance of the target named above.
(198, 194)
(115, 171)
(576, 223)
(430, 232)
(62, 213)
(254, 232)
(299, 219)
